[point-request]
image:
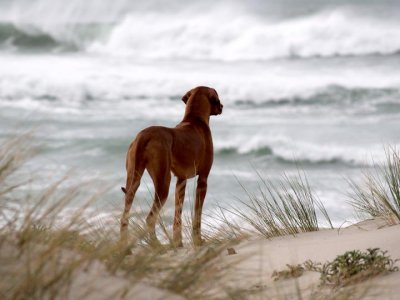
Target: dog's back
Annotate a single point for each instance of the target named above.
(148, 146)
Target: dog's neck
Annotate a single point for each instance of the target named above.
(196, 110)
(195, 118)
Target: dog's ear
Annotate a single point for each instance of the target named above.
(186, 97)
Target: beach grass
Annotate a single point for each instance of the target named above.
(379, 193)
(41, 257)
(286, 207)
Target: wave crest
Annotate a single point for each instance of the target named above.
(287, 150)
(11, 36)
(332, 95)
(53, 37)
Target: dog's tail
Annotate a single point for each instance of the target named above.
(135, 164)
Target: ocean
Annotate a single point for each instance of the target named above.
(306, 85)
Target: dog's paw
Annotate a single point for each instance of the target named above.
(154, 243)
(178, 244)
(198, 242)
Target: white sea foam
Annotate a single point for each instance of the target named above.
(77, 83)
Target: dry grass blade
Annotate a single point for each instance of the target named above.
(199, 275)
(285, 207)
(14, 153)
(379, 194)
(223, 227)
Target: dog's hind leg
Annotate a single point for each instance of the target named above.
(132, 184)
(160, 173)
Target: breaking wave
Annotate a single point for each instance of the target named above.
(244, 37)
(218, 34)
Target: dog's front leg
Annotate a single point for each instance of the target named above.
(179, 198)
(200, 195)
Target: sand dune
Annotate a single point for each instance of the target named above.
(261, 257)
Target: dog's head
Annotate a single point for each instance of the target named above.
(208, 96)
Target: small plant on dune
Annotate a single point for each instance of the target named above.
(349, 268)
(293, 271)
(310, 265)
(379, 195)
(356, 266)
(286, 207)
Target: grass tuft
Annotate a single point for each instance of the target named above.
(293, 271)
(356, 266)
(349, 268)
(286, 207)
(379, 194)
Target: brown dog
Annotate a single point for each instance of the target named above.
(186, 151)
